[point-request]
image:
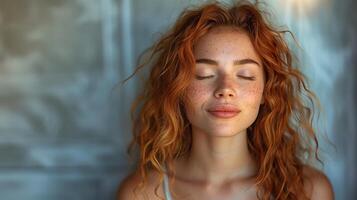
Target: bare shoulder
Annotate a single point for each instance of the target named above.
(317, 185)
(127, 186)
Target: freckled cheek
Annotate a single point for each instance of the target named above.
(252, 94)
(197, 94)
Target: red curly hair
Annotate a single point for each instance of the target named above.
(282, 137)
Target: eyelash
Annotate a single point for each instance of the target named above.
(203, 77)
(252, 78)
(206, 77)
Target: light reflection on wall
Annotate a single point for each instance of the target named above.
(304, 7)
(323, 64)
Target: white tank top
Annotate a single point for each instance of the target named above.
(166, 188)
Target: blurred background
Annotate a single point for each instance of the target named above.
(64, 121)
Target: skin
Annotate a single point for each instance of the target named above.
(219, 165)
(220, 160)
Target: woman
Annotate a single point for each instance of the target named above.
(223, 116)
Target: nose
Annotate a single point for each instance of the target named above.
(225, 88)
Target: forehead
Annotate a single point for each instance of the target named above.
(225, 40)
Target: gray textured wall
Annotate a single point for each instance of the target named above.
(58, 121)
(64, 122)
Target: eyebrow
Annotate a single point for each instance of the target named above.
(236, 62)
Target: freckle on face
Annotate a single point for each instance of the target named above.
(252, 93)
(253, 90)
(198, 91)
(225, 46)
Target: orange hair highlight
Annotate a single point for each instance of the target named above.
(280, 138)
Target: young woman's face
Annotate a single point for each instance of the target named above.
(226, 93)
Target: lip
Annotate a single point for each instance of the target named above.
(224, 111)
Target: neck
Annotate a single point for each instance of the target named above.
(216, 160)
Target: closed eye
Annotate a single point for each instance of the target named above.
(247, 77)
(203, 77)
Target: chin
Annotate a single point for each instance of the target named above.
(223, 133)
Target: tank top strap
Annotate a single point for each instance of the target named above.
(166, 186)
